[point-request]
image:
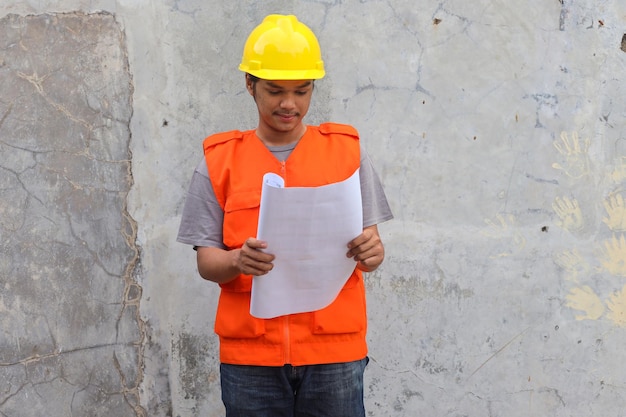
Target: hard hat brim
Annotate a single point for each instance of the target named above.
(269, 74)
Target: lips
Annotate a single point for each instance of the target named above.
(287, 117)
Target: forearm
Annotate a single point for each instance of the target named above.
(218, 265)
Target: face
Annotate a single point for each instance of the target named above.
(282, 106)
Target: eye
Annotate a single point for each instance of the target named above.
(274, 92)
(301, 92)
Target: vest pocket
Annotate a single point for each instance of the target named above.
(233, 319)
(241, 212)
(347, 314)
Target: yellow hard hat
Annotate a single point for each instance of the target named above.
(282, 48)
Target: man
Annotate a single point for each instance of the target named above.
(305, 364)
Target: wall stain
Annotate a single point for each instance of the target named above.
(197, 368)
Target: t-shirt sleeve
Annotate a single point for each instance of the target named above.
(203, 217)
(375, 205)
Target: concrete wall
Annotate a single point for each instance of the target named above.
(497, 127)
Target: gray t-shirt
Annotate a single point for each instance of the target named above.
(202, 219)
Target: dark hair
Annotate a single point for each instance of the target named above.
(253, 79)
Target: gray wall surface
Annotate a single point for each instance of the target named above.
(497, 128)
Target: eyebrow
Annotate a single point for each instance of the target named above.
(272, 85)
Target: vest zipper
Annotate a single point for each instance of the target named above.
(287, 341)
(287, 333)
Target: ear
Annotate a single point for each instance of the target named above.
(249, 85)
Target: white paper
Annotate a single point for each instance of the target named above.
(308, 230)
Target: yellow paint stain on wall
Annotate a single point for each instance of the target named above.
(617, 307)
(586, 300)
(613, 257)
(569, 212)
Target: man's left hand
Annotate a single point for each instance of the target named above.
(367, 249)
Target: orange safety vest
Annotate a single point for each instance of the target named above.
(237, 161)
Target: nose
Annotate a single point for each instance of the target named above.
(288, 102)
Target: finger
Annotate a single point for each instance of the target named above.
(360, 239)
(372, 252)
(370, 263)
(361, 249)
(255, 243)
(257, 268)
(253, 248)
(251, 265)
(365, 246)
(253, 257)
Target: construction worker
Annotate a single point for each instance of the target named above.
(304, 364)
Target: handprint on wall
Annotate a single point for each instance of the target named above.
(616, 210)
(617, 307)
(569, 213)
(586, 300)
(504, 228)
(619, 172)
(613, 256)
(573, 263)
(576, 158)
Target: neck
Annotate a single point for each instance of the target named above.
(278, 138)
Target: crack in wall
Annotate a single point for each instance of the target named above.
(36, 358)
(132, 290)
(37, 82)
(132, 298)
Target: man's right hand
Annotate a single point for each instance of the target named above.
(251, 259)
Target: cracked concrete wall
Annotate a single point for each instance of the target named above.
(71, 337)
(497, 129)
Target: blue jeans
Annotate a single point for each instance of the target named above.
(332, 390)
